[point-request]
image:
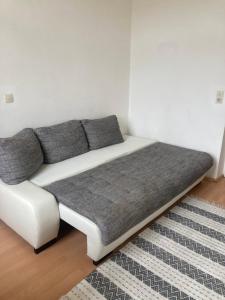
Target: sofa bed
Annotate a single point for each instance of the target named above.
(103, 183)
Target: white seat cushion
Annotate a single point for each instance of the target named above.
(73, 166)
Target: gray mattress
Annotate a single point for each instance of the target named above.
(118, 195)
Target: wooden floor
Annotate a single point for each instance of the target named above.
(49, 275)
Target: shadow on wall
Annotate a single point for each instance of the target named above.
(221, 165)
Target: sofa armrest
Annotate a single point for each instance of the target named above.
(30, 211)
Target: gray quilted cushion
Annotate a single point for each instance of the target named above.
(62, 141)
(20, 156)
(120, 194)
(102, 132)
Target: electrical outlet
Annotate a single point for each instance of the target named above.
(8, 98)
(220, 96)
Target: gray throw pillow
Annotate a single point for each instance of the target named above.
(62, 141)
(20, 157)
(102, 132)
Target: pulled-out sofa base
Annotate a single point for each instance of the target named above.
(96, 250)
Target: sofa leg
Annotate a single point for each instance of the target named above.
(45, 246)
(98, 262)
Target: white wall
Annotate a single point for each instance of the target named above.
(70, 59)
(177, 64)
(63, 60)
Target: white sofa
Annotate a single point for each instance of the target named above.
(34, 213)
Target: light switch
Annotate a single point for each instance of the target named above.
(219, 96)
(8, 98)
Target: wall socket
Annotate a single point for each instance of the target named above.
(8, 98)
(220, 96)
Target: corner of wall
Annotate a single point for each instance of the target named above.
(130, 73)
(221, 164)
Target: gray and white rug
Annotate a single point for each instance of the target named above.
(180, 256)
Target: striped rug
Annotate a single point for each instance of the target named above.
(180, 256)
